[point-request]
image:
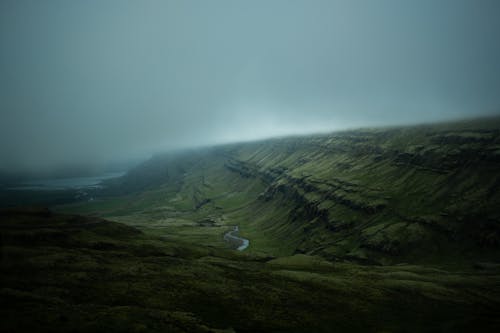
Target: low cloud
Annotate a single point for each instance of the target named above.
(93, 82)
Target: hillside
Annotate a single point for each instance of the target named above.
(423, 194)
(66, 273)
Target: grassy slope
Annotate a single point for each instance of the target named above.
(428, 193)
(422, 194)
(84, 274)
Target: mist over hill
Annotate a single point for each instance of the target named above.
(250, 166)
(92, 82)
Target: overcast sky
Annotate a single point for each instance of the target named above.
(104, 80)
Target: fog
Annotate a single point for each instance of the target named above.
(94, 82)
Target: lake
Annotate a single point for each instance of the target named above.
(67, 183)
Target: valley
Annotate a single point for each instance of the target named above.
(389, 229)
(422, 194)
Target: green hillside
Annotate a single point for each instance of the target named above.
(422, 194)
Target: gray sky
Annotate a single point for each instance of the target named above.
(103, 80)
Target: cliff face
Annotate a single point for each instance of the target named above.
(423, 193)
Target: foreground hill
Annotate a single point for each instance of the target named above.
(67, 273)
(423, 194)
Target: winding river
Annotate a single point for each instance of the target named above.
(231, 237)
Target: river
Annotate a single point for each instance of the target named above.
(231, 237)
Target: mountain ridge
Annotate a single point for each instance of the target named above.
(369, 195)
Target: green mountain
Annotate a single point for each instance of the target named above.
(423, 194)
(383, 230)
